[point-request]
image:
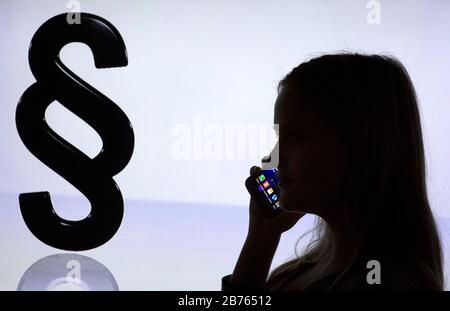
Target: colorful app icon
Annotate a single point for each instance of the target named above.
(274, 197)
(262, 177)
(269, 191)
(266, 184)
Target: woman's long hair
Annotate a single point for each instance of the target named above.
(370, 101)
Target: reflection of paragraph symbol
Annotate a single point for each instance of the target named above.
(92, 177)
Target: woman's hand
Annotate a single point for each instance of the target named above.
(261, 222)
(262, 240)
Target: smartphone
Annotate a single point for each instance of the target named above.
(265, 190)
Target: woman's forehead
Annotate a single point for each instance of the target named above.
(289, 112)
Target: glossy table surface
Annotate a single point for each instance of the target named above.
(159, 246)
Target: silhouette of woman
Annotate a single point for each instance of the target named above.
(351, 153)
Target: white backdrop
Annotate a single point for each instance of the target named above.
(218, 61)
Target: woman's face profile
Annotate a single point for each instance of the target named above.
(311, 160)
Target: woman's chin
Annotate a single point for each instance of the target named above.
(288, 207)
(285, 205)
(285, 201)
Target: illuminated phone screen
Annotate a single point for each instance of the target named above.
(268, 189)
